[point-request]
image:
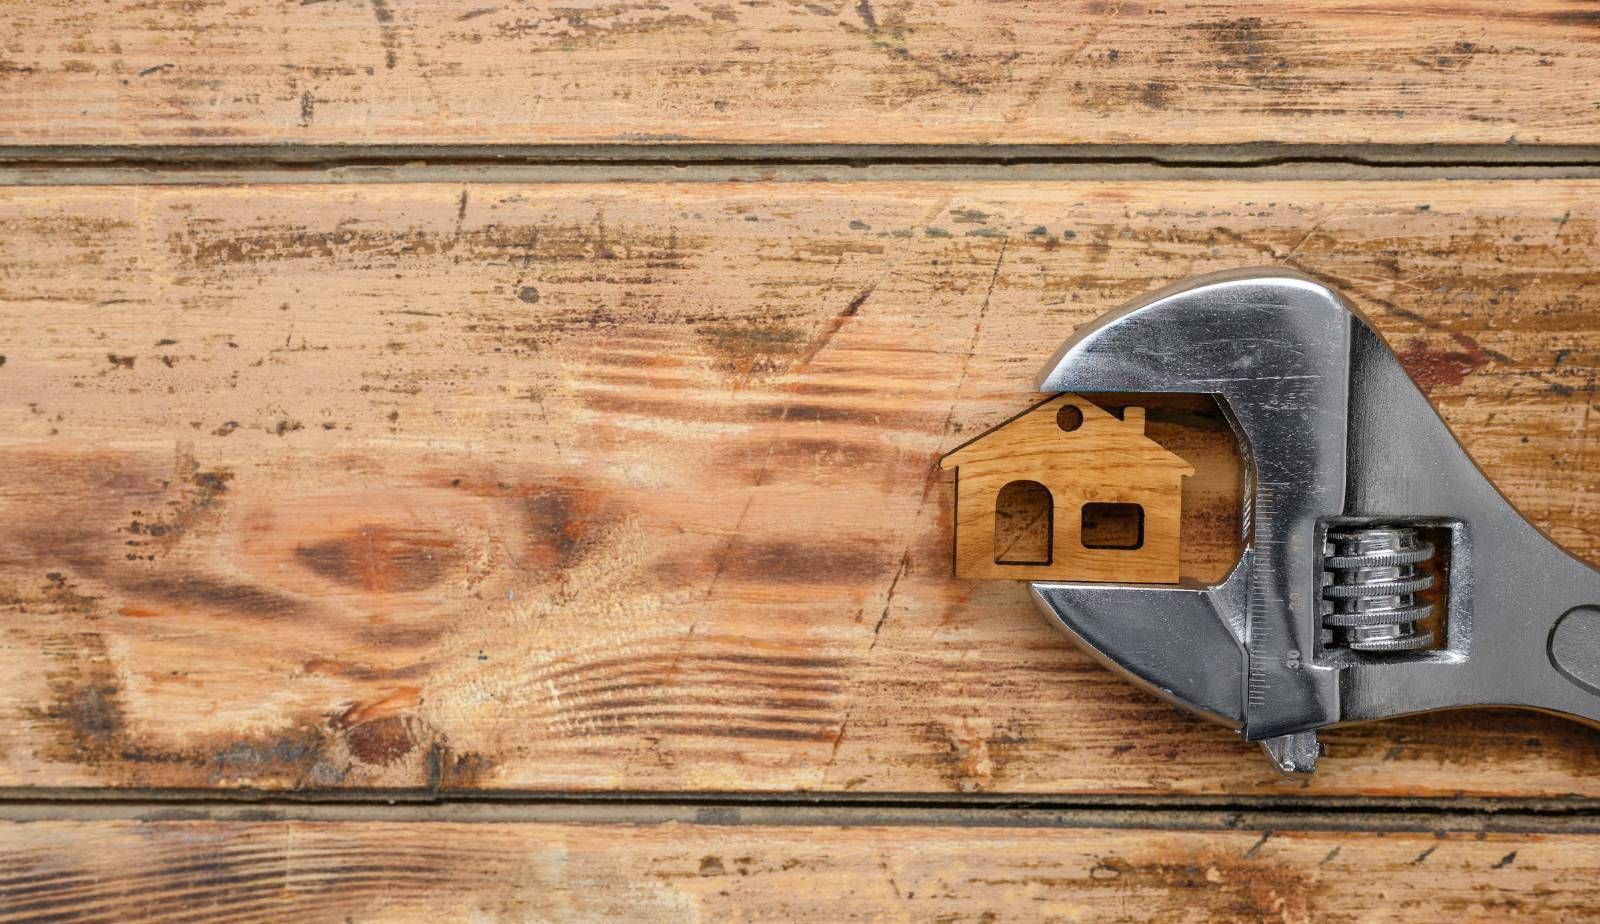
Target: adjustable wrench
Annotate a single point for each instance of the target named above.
(1365, 523)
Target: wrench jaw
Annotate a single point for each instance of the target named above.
(1204, 334)
(1130, 628)
(1336, 435)
(1273, 348)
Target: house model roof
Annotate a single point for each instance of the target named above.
(1035, 432)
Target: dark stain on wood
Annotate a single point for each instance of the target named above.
(562, 523)
(787, 562)
(380, 742)
(647, 249)
(972, 757)
(1235, 889)
(880, 417)
(1431, 367)
(1573, 17)
(387, 34)
(1513, 734)
(447, 769)
(91, 729)
(801, 458)
(217, 594)
(382, 559)
(1242, 42)
(753, 348)
(200, 494)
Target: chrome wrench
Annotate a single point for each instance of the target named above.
(1356, 489)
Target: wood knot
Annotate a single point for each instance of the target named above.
(382, 559)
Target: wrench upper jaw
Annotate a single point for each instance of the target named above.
(1133, 348)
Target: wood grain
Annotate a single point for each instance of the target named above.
(634, 487)
(400, 871)
(845, 71)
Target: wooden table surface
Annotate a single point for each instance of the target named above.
(478, 461)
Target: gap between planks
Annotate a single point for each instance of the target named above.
(1176, 155)
(263, 164)
(1570, 817)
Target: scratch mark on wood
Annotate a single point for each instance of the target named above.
(386, 32)
(888, 603)
(1256, 847)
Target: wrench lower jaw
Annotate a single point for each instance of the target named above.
(1133, 629)
(1294, 755)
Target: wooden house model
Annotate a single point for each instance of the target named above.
(1093, 465)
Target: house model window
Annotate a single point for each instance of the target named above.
(1102, 500)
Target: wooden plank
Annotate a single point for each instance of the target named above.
(634, 487)
(845, 71)
(409, 871)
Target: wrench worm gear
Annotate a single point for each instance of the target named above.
(1382, 573)
(1370, 585)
